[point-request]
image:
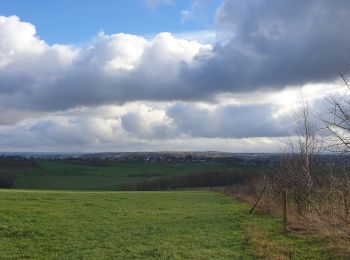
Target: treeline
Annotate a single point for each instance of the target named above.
(8, 167)
(201, 179)
(6, 180)
(147, 174)
(17, 162)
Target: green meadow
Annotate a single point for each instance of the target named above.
(108, 175)
(73, 210)
(142, 225)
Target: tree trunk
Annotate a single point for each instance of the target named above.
(284, 208)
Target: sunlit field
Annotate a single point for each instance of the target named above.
(134, 225)
(109, 175)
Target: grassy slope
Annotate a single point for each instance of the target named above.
(98, 225)
(81, 176)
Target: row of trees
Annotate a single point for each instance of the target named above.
(200, 179)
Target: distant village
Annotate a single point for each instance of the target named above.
(151, 157)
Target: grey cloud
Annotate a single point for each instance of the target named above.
(11, 116)
(143, 128)
(230, 121)
(179, 124)
(73, 131)
(273, 44)
(51, 133)
(223, 121)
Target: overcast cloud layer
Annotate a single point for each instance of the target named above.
(259, 46)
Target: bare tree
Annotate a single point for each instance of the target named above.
(340, 185)
(337, 118)
(300, 163)
(337, 122)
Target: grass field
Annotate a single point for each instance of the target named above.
(112, 175)
(141, 225)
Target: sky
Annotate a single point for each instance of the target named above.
(78, 21)
(156, 75)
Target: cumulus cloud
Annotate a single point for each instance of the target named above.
(24, 54)
(180, 126)
(196, 120)
(227, 126)
(114, 68)
(148, 124)
(202, 36)
(232, 121)
(268, 45)
(275, 44)
(75, 130)
(62, 131)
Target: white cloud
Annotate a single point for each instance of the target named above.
(20, 48)
(113, 68)
(203, 36)
(116, 52)
(195, 12)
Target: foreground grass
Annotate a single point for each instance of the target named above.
(266, 241)
(146, 225)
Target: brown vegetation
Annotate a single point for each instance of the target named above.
(312, 196)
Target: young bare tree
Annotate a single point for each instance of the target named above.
(300, 163)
